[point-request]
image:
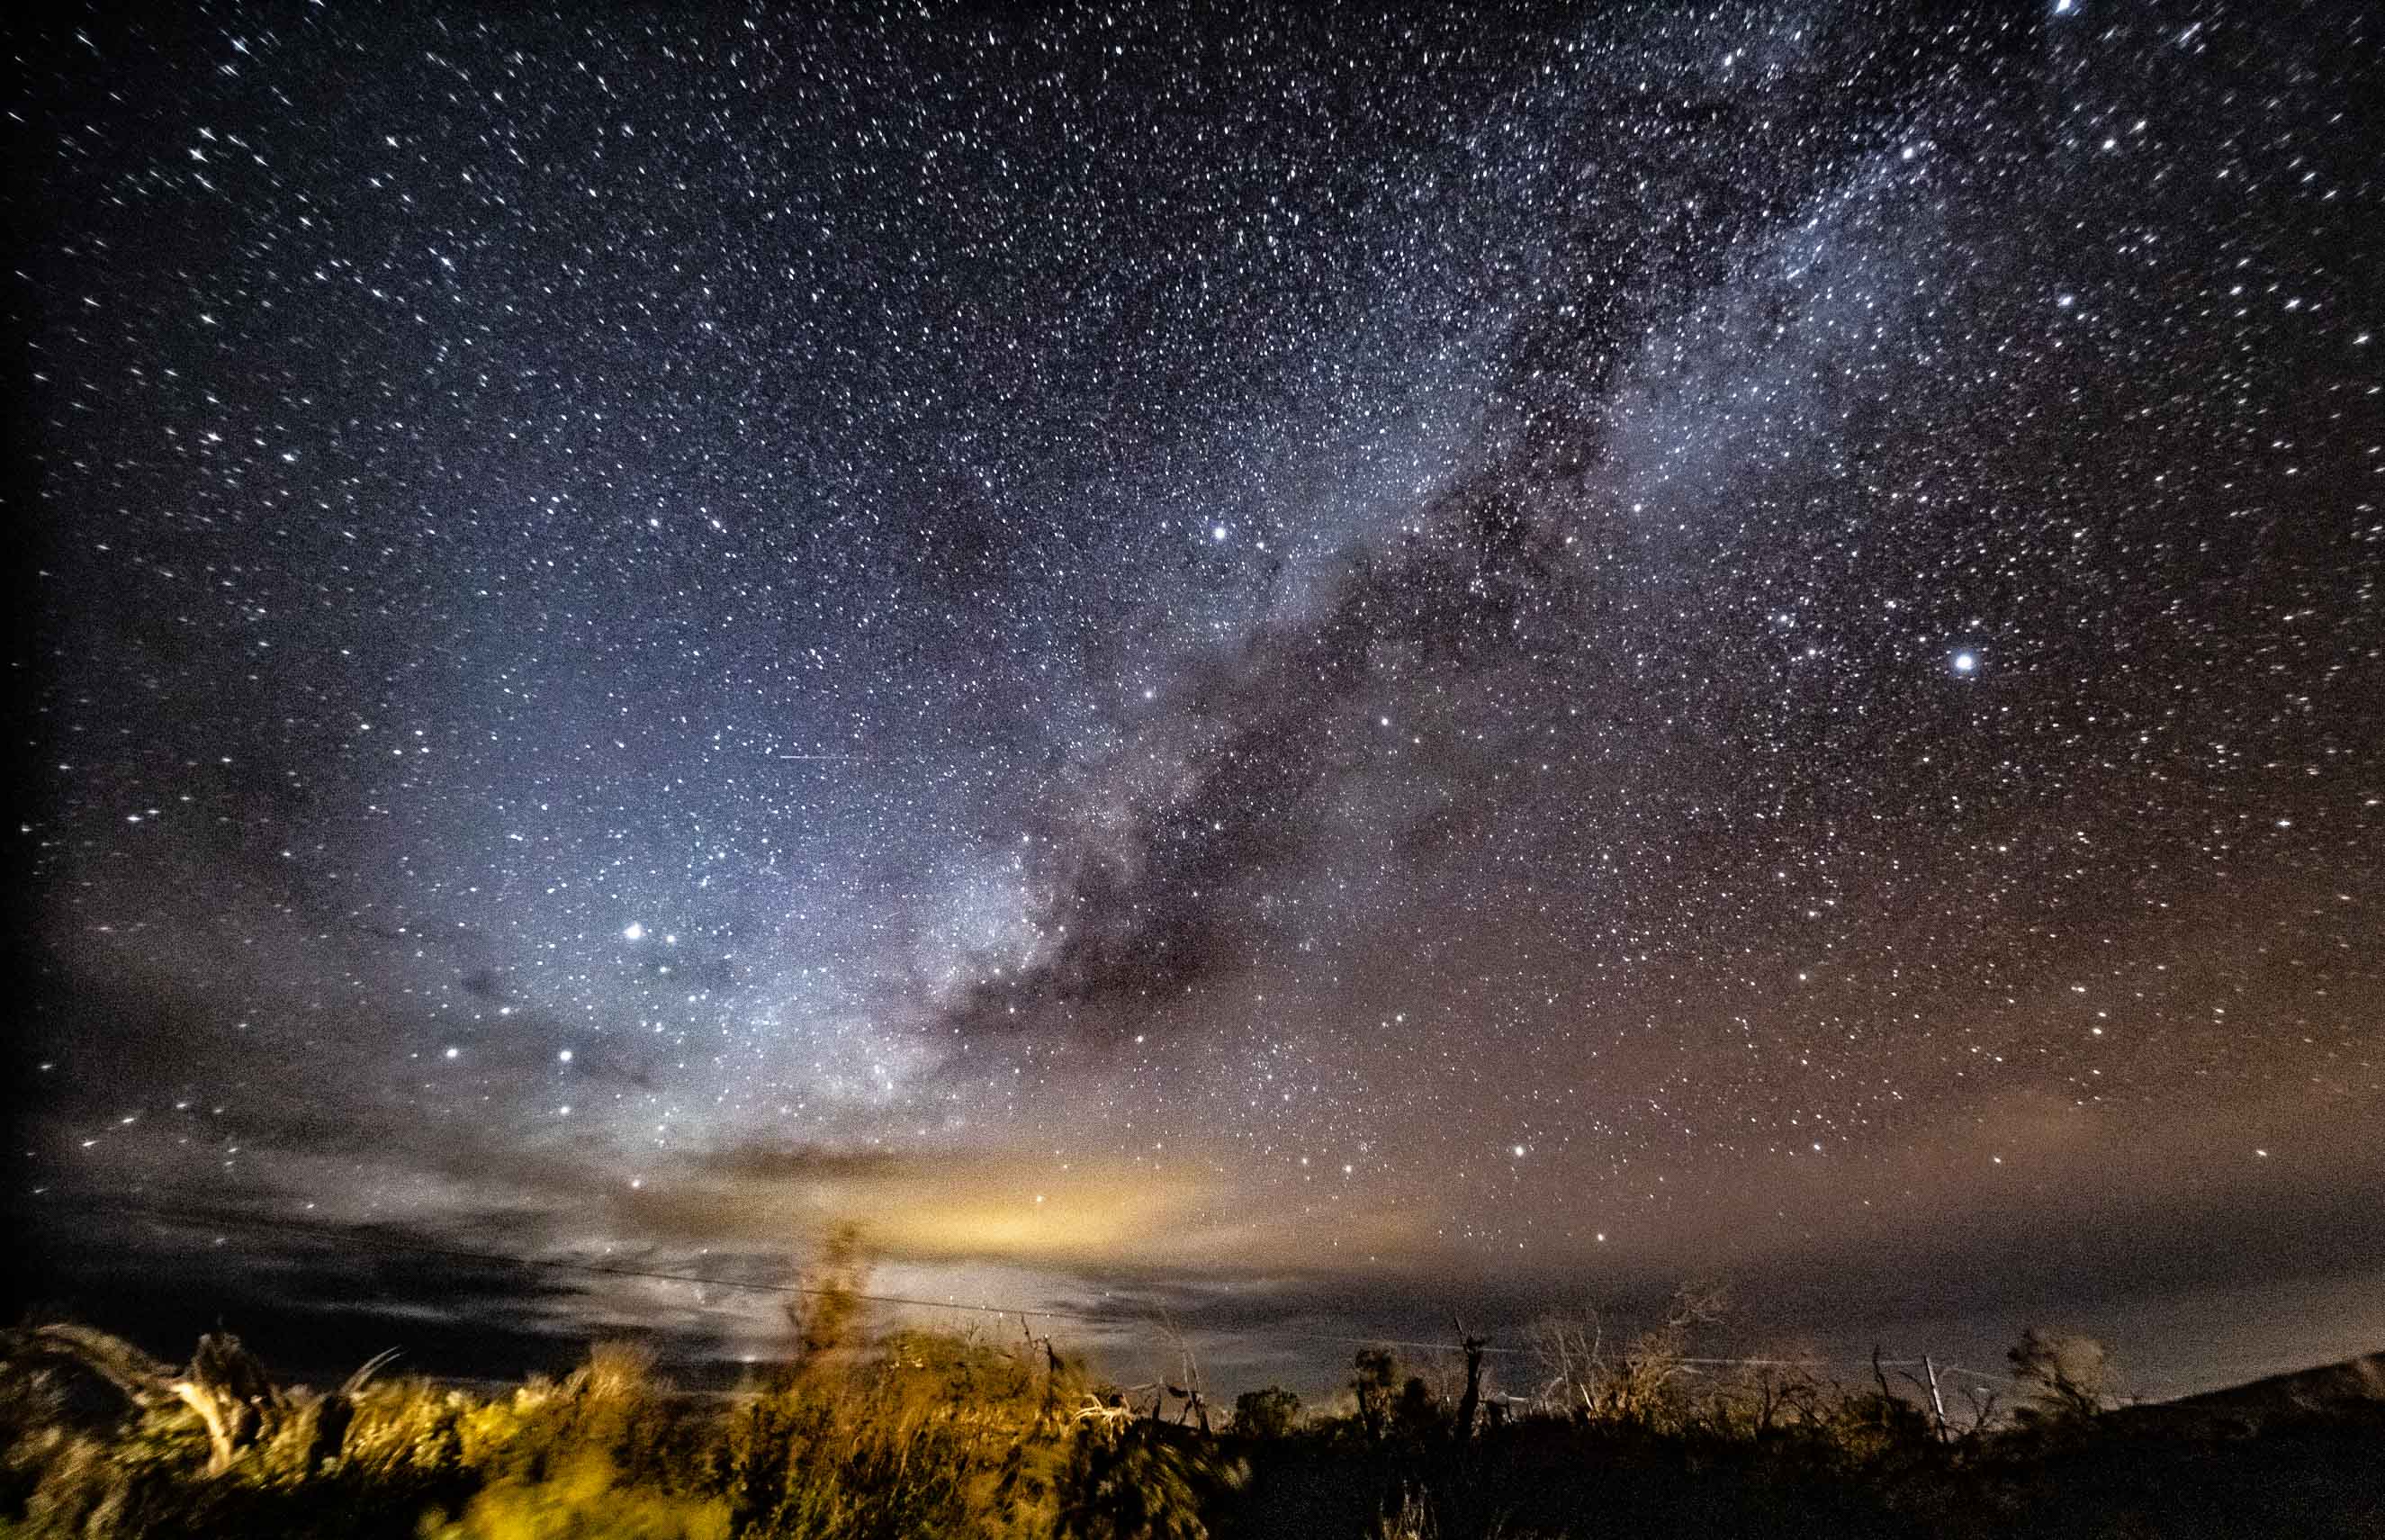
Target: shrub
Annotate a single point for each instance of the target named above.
(1270, 1413)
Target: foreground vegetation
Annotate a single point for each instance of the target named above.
(916, 1435)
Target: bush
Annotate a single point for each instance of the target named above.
(1270, 1413)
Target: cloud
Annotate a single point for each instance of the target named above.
(920, 1207)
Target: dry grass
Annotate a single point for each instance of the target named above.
(917, 1434)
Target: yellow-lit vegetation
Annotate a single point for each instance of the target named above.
(863, 1435)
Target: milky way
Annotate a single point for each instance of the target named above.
(1319, 665)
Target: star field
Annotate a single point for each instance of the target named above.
(1269, 648)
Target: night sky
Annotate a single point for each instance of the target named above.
(1311, 671)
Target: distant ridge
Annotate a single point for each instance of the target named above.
(2355, 1386)
(2320, 1389)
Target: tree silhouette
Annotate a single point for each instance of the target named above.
(2068, 1377)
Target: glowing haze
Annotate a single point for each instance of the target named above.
(1302, 671)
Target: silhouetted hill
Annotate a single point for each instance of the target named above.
(2353, 1388)
(2325, 1388)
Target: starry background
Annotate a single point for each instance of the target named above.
(1300, 671)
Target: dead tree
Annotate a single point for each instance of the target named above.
(228, 1387)
(1928, 1387)
(1112, 1416)
(136, 1376)
(1462, 1429)
(1052, 1366)
(224, 1386)
(1196, 1408)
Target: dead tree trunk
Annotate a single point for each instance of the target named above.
(228, 1387)
(1472, 1399)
